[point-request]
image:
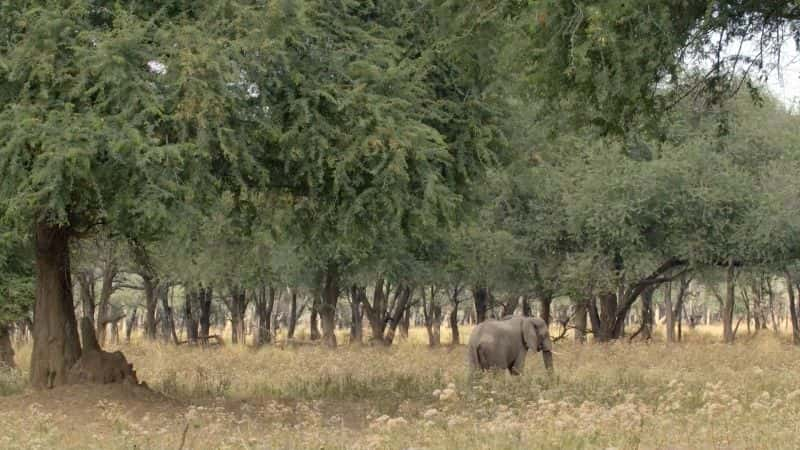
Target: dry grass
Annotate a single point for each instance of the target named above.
(698, 394)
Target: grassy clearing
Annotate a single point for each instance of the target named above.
(698, 394)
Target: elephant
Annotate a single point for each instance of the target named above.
(503, 344)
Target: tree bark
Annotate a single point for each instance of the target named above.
(327, 313)
(6, 350)
(237, 307)
(481, 297)
(206, 294)
(131, 325)
(188, 316)
(401, 304)
(376, 312)
(432, 314)
(56, 346)
(292, 315)
(357, 297)
(405, 323)
(546, 303)
(730, 299)
(151, 304)
(109, 273)
(792, 308)
(168, 333)
(265, 303)
(314, 319)
(526, 307)
(669, 316)
(580, 321)
(86, 285)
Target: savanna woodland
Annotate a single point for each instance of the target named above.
(275, 223)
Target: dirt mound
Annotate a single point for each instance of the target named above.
(98, 366)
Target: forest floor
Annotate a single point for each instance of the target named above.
(696, 394)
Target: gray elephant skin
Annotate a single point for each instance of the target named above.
(503, 344)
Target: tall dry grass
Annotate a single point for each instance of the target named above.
(696, 394)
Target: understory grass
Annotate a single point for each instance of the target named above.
(695, 394)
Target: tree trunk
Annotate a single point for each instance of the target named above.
(151, 304)
(109, 273)
(400, 307)
(405, 324)
(292, 315)
(376, 312)
(6, 351)
(455, 337)
(647, 314)
(265, 303)
(594, 317)
(327, 313)
(580, 321)
(526, 307)
(56, 346)
(86, 285)
(357, 296)
(188, 317)
(131, 325)
(546, 303)
(314, 319)
(205, 310)
(481, 296)
(669, 313)
(168, 319)
(792, 308)
(727, 309)
(237, 307)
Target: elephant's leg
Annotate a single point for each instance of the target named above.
(518, 364)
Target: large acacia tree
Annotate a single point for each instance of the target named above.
(107, 111)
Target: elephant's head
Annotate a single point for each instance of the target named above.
(536, 335)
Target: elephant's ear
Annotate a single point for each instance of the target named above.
(529, 335)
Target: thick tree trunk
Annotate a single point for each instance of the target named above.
(6, 351)
(56, 346)
(292, 315)
(357, 297)
(205, 310)
(327, 313)
(580, 321)
(727, 309)
(481, 296)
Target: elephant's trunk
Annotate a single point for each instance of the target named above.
(547, 356)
